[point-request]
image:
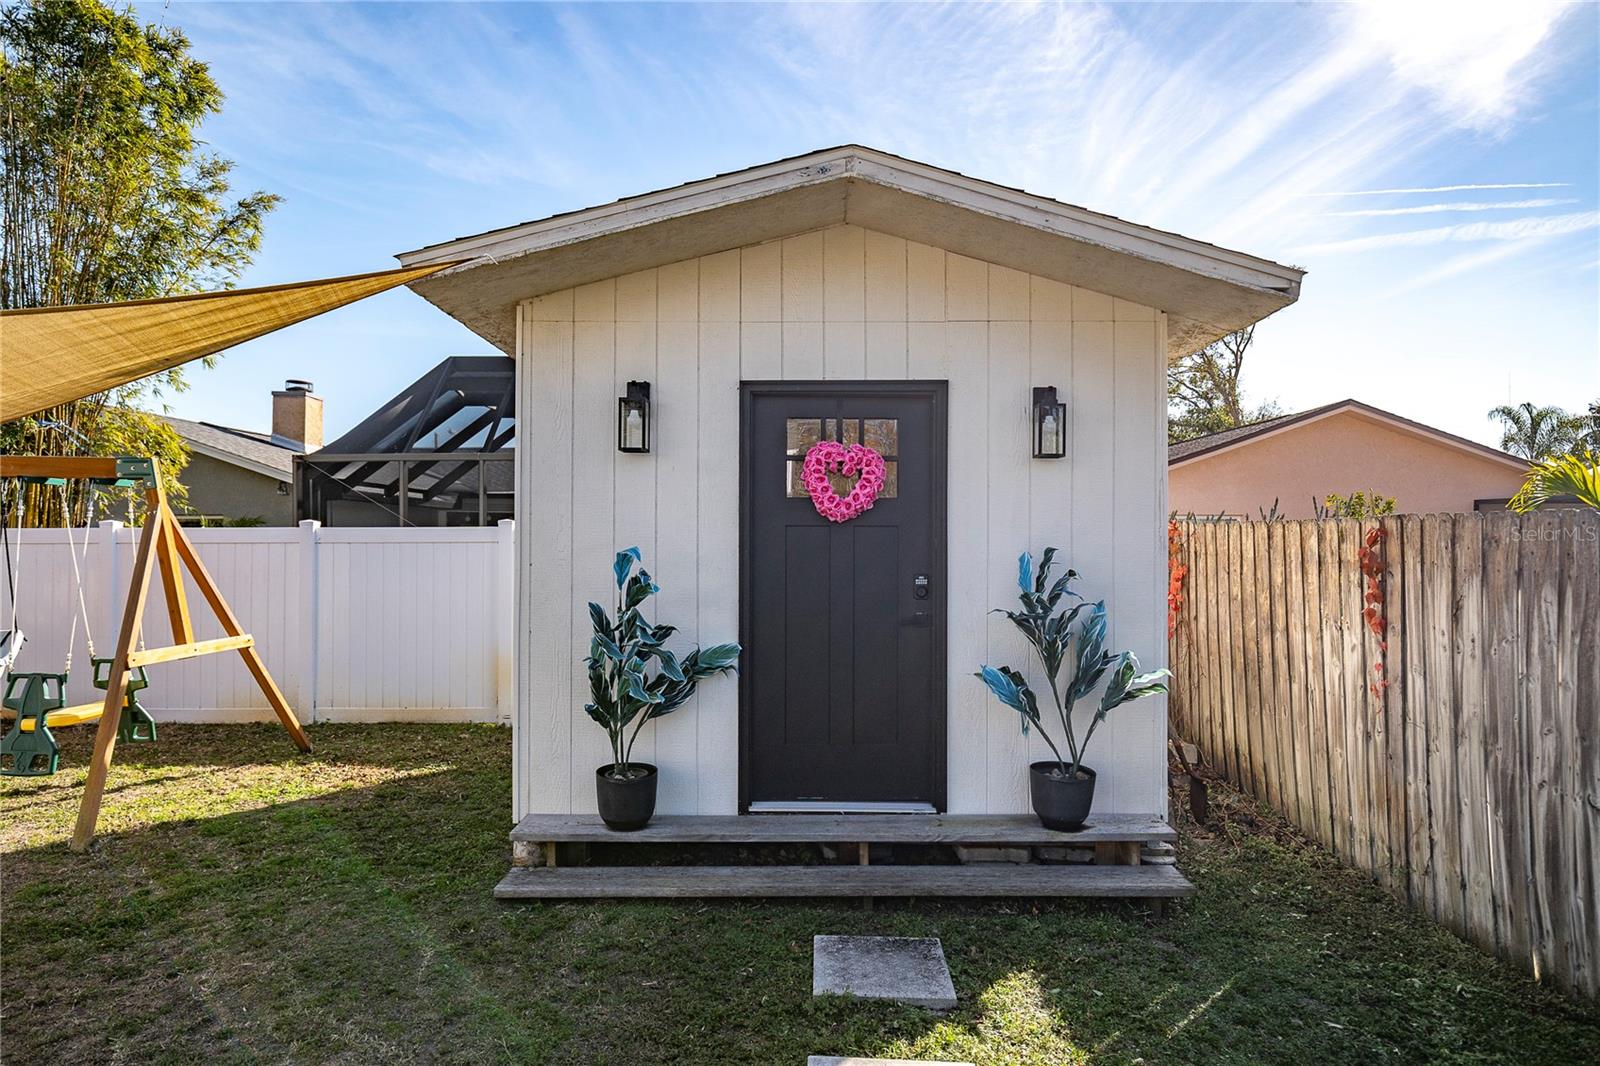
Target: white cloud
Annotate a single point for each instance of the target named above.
(1477, 58)
(1450, 188)
(1446, 208)
(1462, 264)
(1518, 229)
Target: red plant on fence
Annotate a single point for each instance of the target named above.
(1176, 572)
(1376, 573)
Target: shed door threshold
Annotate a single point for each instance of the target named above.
(838, 807)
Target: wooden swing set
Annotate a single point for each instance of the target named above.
(166, 549)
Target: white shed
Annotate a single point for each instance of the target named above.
(847, 293)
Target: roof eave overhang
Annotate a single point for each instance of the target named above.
(1205, 291)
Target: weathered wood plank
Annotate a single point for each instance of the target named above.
(1260, 575)
(1316, 691)
(1392, 655)
(1273, 538)
(1291, 616)
(1574, 588)
(1540, 599)
(1503, 758)
(1355, 684)
(1340, 803)
(1444, 881)
(1211, 697)
(987, 879)
(1467, 682)
(1582, 665)
(1370, 540)
(1234, 661)
(998, 829)
(1253, 701)
(1420, 843)
(1228, 660)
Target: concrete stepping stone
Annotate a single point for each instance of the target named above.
(906, 969)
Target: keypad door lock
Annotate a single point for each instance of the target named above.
(919, 586)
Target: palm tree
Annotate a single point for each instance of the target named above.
(1536, 433)
(1590, 428)
(1561, 475)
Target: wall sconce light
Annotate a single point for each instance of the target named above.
(1049, 424)
(633, 418)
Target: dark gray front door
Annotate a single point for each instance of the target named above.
(842, 695)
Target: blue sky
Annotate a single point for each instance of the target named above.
(1434, 166)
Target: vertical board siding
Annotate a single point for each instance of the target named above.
(1469, 785)
(843, 303)
(354, 624)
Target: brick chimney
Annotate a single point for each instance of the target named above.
(297, 416)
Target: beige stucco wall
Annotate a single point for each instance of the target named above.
(1344, 452)
(219, 488)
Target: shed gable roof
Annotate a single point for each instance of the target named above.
(1205, 290)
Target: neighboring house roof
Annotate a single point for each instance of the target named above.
(1206, 291)
(241, 447)
(1212, 443)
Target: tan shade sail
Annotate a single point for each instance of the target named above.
(52, 355)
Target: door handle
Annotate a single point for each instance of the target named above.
(918, 620)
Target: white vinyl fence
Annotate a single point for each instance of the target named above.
(356, 625)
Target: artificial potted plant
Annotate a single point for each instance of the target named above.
(1062, 788)
(633, 679)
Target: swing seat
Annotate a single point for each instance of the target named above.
(31, 698)
(83, 712)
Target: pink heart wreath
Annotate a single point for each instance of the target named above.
(828, 456)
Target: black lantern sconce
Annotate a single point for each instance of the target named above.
(1049, 424)
(633, 418)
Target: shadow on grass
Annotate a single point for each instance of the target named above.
(290, 909)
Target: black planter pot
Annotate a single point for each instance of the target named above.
(1061, 802)
(626, 804)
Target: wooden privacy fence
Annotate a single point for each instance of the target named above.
(1421, 694)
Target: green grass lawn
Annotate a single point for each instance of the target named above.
(248, 904)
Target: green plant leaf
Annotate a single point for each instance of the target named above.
(624, 564)
(603, 645)
(1043, 575)
(1124, 687)
(640, 588)
(638, 690)
(1011, 689)
(669, 664)
(599, 618)
(1060, 588)
(1091, 660)
(716, 659)
(1025, 572)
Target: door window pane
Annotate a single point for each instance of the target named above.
(880, 434)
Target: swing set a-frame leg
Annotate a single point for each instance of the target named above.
(162, 543)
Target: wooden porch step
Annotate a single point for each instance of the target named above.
(1018, 830)
(993, 879)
